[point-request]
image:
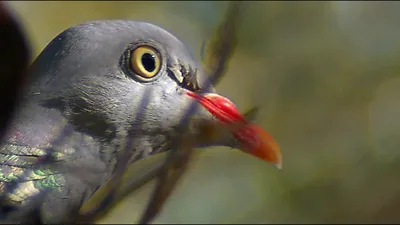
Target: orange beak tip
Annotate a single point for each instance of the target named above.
(260, 144)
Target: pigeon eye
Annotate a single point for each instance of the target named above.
(145, 61)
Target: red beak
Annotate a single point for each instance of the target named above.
(254, 139)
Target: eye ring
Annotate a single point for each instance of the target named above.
(145, 61)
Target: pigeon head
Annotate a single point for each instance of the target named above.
(135, 80)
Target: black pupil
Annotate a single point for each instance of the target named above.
(149, 62)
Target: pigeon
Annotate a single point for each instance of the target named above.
(102, 93)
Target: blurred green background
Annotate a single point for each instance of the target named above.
(326, 77)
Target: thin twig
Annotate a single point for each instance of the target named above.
(178, 157)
